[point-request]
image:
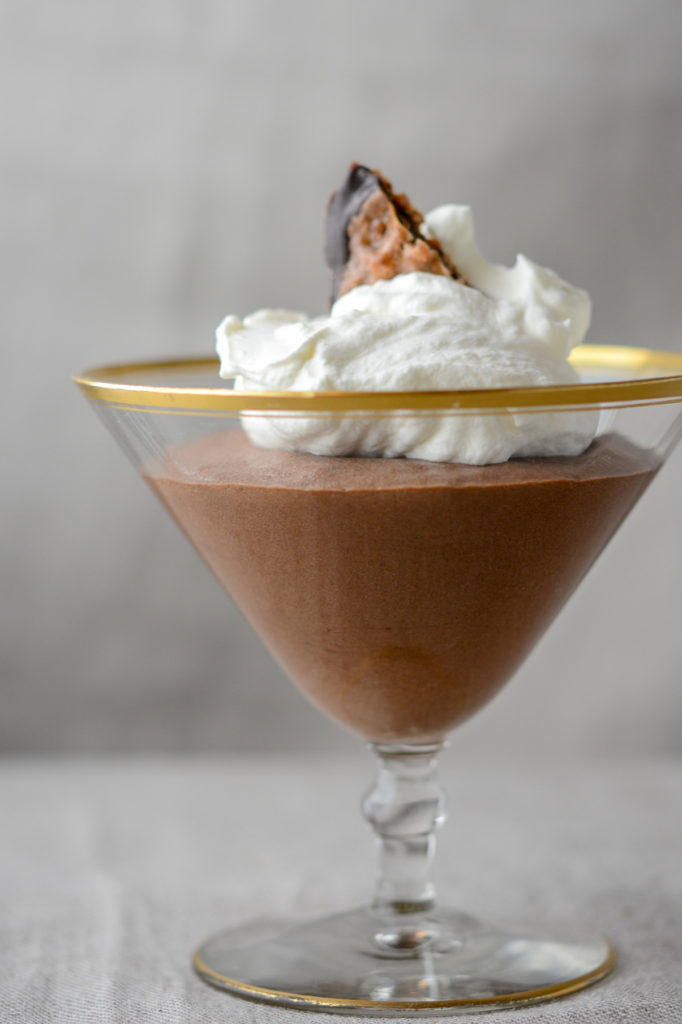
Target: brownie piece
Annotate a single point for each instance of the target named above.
(373, 233)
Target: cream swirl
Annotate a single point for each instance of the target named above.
(506, 327)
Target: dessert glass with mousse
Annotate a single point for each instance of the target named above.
(400, 547)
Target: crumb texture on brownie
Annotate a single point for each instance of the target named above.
(374, 234)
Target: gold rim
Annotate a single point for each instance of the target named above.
(660, 381)
(322, 1002)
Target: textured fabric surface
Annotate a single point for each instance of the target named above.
(112, 872)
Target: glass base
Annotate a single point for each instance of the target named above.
(366, 962)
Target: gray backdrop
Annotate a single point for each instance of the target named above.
(166, 162)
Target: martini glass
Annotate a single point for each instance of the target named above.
(399, 595)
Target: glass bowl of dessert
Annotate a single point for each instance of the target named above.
(400, 497)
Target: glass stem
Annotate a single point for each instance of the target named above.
(405, 808)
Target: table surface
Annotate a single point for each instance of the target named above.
(112, 871)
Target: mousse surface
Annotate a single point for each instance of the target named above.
(398, 594)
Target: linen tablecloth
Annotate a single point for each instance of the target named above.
(112, 871)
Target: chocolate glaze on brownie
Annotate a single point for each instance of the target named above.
(372, 233)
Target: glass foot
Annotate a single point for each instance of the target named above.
(365, 962)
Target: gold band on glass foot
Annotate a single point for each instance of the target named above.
(356, 963)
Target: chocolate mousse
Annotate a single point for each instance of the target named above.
(398, 594)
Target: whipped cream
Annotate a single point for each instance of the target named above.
(507, 327)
